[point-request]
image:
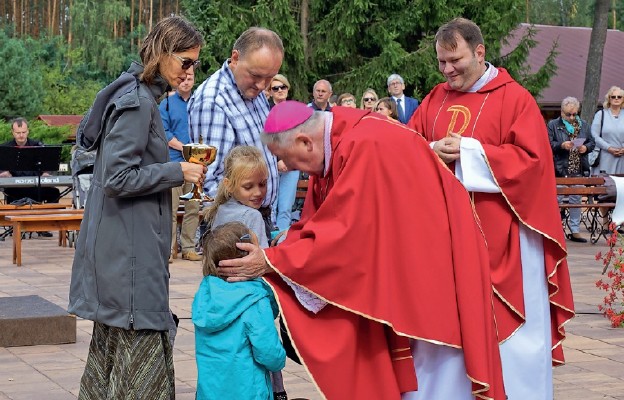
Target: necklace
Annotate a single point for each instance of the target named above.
(615, 113)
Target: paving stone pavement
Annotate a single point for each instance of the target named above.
(594, 351)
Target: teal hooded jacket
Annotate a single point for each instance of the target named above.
(236, 341)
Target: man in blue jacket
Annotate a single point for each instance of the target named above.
(175, 121)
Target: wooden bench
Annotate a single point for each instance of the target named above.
(27, 207)
(592, 212)
(42, 222)
(44, 206)
(302, 189)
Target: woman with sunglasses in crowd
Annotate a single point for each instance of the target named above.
(278, 91)
(608, 131)
(120, 274)
(369, 98)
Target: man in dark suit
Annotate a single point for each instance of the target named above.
(405, 105)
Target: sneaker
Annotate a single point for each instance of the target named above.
(171, 260)
(44, 234)
(191, 256)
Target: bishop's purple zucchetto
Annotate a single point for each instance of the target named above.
(287, 115)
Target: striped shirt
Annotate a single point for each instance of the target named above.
(224, 119)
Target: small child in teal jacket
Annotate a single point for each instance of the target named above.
(236, 342)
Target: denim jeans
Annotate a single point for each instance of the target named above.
(286, 193)
(575, 213)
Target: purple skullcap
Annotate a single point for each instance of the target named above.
(287, 115)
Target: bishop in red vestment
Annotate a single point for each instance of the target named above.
(388, 244)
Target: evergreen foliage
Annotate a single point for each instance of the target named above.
(20, 95)
(357, 44)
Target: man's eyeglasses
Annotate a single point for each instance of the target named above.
(616, 97)
(187, 62)
(570, 115)
(367, 99)
(348, 101)
(278, 88)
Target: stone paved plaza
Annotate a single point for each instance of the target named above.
(594, 350)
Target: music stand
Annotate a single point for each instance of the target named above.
(30, 158)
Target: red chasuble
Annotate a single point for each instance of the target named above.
(388, 238)
(505, 119)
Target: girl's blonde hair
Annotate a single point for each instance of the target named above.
(241, 162)
(220, 244)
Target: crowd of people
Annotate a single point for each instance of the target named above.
(444, 281)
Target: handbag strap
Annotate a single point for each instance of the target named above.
(601, 122)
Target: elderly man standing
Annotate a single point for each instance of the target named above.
(229, 108)
(489, 130)
(358, 275)
(405, 105)
(321, 91)
(571, 141)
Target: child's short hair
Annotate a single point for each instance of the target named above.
(220, 244)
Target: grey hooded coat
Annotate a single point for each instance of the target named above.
(120, 274)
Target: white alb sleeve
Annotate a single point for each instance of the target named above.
(471, 168)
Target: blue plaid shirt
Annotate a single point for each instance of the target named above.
(224, 119)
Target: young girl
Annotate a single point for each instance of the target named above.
(239, 196)
(241, 192)
(236, 343)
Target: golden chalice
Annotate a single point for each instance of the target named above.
(198, 154)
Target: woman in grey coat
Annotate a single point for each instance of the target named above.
(120, 276)
(608, 131)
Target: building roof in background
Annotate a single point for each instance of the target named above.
(60, 120)
(573, 46)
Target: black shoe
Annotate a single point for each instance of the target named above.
(280, 396)
(577, 239)
(44, 234)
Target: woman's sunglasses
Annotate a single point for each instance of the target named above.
(278, 88)
(368, 99)
(187, 62)
(616, 97)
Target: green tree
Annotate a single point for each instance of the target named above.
(20, 95)
(356, 44)
(222, 21)
(105, 54)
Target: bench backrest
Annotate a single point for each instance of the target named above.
(302, 188)
(588, 186)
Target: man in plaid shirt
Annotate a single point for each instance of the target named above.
(229, 108)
